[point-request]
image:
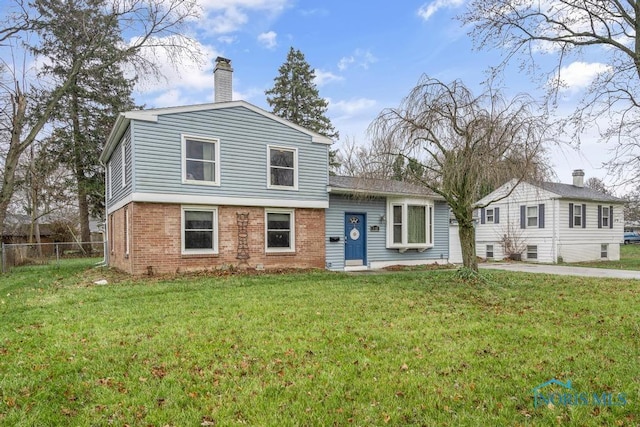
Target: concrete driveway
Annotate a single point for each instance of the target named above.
(562, 270)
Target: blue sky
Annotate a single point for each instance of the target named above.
(367, 56)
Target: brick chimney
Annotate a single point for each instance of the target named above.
(223, 80)
(578, 178)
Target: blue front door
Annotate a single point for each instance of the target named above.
(354, 239)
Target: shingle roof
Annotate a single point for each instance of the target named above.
(569, 191)
(349, 184)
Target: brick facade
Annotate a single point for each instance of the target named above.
(155, 246)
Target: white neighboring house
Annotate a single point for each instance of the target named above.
(550, 222)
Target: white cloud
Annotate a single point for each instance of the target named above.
(227, 16)
(324, 77)
(352, 106)
(188, 75)
(268, 39)
(428, 9)
(360, 58)
(579, 75)
(227, 39)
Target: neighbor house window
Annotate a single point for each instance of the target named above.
(606, 216)
(577, 215)
(489, 251)
(410, 224)
(199, 230)
(604, 250)
(200, 160)
(532, 252)
(280, 233)
(490, 216)
(532, 216)
(283, 165)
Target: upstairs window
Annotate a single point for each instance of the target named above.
(577, 216)
(605, 216)
(200, 160)
(282, 168)
(532, 216)
(490, 216)
(409, 224)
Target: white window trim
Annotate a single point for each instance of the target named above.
(295, 168)
(405, 202)
(212, 251)
(577, 207)
(487, 221)
(606, 217)
(604, 250)
(124, 166)
(528, 251)
(492, 251)
(216, 161)
(292, 237)
(537, 216)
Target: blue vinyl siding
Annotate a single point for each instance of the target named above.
(375, 208)
(244, 136)
(118, 167)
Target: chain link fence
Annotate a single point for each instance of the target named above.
(24, 254)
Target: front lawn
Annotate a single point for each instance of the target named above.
(319, 348)
(629, 259)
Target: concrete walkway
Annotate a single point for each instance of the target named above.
(562, 270)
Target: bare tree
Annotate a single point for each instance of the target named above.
(146, 26)
(565, 30)
(597, 184)
(362, 161)
(465, 143)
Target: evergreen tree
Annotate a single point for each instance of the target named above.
(295, 97)
(94, 97)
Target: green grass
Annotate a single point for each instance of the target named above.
(629, 259)
(314, 348)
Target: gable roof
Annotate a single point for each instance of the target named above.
(151, 115)
(555, 190)
(377, 187)
(568, 191)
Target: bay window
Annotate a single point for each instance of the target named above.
(409, 224)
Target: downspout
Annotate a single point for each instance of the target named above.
(554, 237)
(105, 241)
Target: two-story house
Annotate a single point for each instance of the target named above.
(229, 184)
(550, 222)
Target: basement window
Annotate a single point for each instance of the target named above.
(532, 252)
(489, 251)
(604, 250)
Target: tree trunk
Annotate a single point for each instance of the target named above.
(83, 199)
(467, 233)
(83, 210)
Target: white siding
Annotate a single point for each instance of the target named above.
(509, 224)
(556, 241)
(583, 244)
